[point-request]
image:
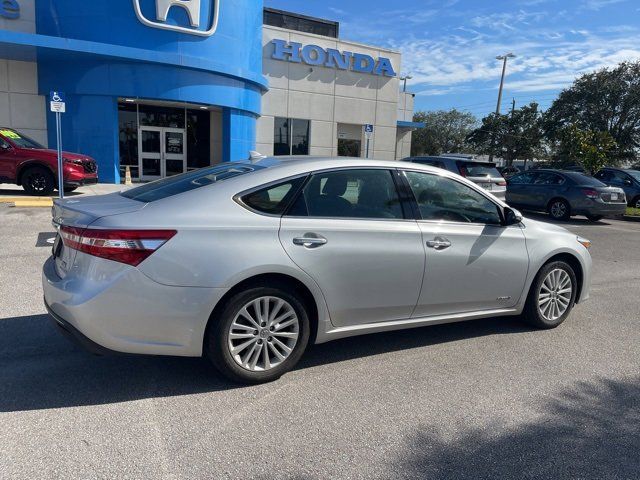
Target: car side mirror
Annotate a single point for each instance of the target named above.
(512, 216)
(628, 182)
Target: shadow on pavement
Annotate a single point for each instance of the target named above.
(591, 430)
(7, 192)
(41, 369)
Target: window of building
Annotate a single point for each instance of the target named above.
(441, 198)
(349, 148)
(128, 138)
(368, 194)
(291, 136)
(300, 23)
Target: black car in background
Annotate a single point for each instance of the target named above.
(564, 193)
(626, 179)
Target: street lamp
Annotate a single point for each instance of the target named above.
(504, 59)
(404, 79)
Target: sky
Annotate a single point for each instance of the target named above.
(449, 46)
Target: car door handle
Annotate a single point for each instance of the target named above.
(310, 242)
(439, 243)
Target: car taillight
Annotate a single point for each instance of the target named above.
(502, 184)
(125, 246)
(590, 193)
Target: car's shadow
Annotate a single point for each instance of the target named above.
(7, 192)
(41, 369)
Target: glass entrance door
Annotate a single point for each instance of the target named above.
(162, 152)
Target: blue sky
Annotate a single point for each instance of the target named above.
(449, 46)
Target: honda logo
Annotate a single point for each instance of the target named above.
(195, 10)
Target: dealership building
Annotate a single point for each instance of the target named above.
(165, 86)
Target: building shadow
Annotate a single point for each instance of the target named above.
(588, 431)
(41, 369)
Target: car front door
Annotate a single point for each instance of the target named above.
(349, 232)
(474, 263)
(7, 161)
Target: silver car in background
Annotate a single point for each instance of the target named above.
(246, 264)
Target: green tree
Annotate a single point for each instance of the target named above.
(514, 136)
(592, 150)
(444, 132)
(604, 101)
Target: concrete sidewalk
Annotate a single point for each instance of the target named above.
(16, 196)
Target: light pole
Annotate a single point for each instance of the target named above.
(504, 59)
(404, 79)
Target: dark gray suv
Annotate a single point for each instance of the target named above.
(626, 179)
(564, 193)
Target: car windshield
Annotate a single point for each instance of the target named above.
(20, 140)
(477, 169)
(584, 179)
(634, 173)
(185, 182)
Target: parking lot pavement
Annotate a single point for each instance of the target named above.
(484, 399)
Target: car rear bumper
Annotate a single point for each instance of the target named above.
(109, 307)
(601, 208)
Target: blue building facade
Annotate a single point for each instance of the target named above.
(127, 65)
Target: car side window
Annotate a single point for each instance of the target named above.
(523, 179)
(349, 194)
(273, 199)
(4, 145)
(603, 175)
(619, 177)
(441, 198)
(547, 178)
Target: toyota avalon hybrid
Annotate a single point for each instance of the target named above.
(248, 264)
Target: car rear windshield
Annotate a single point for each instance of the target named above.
(19, 139)
(477, 169)
(170, 186)
(584, 179)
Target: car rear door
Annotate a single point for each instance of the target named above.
(519, 189)
(474, 263)
(349, 231)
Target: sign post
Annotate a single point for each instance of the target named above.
(368, 132)
(58, 106)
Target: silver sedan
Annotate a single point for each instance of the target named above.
(248, 263)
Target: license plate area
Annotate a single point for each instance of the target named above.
(486, 186)
(614, 197)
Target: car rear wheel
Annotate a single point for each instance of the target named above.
(38, 181)
(559, 209)
(636, 202)
(70, 189)
(595, 218)
(260, 334)
(552, 296)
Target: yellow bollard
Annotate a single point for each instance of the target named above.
(127, 176)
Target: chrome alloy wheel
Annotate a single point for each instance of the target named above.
(263, 334)
(558, 209)
(554, 296)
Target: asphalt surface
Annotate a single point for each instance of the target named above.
(484, 399)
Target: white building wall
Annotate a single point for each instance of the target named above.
(329, 97)
(20, 105)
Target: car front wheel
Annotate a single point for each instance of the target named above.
(552, 296)
(259, 335)
(38, 181)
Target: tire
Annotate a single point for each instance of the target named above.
(543, 316)
(559, 209)
(247, 365)
(635, 203)
(595, 218)
(70, 189)
(38, 181)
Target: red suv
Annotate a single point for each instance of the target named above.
(27, 163)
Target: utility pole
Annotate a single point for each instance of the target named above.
(504, 59)
(513, 106)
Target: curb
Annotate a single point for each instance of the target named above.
(631, 218)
